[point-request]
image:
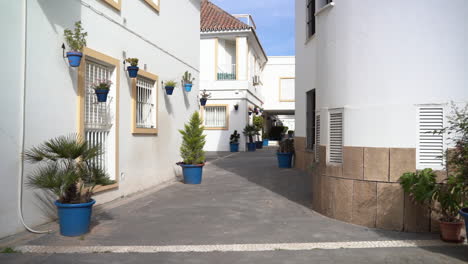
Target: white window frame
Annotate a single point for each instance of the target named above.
(226, 124)
(145, 76)
(329, 149)
(420, 165)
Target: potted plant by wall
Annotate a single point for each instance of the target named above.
(187, 80)
(76, 41)
(236, 107)
(192, 151)
(265, 139)
(445, 198)
(102, 88)
(258, 123)
(133, 68)
(285, 153)
(169, 86)
(234, 141)
(250, 131)
(290, 133)
(204, 97)
(66, 167)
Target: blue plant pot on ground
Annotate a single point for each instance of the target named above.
(284, 160)
(464, 214)
(259, 144)
(132, 71)
(102, 95)
(192, 173)
(203, 101)
(74, 219)
(265, 142)
(251, 146)
(188, 87)
(234, 147)
(74, 58)
(169, 90)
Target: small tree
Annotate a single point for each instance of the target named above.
(191, 150)
(258, 123)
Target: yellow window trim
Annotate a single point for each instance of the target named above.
(90, 53)
(115, 5)
(279, 94)
(227, 117)
(135, 129)
(152, 4)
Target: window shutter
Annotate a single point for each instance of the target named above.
(336, 136)
(317, 137)
(430, 145)
(215, 117)
(145, 103)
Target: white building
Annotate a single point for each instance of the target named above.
(232, 62)
(44, 98)
(371, 78)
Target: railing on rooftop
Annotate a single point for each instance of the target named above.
(227, 72)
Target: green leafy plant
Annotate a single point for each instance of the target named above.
(133, 61)
(187, 78)
(9, 250)
(193, 141)
(234, 139)
(171, 83)
(76, 39)
(286, 146)
(250, 131)
(102, 85)
(66, 167)
(265, 135)
(205, 95)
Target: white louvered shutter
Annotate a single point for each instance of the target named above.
(317, 137)
(215, 116)
(336, 136)
(430, 146)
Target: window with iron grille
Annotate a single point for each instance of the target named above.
(145, 97)
(336, 136)
(216, 117)
(310, 18)
(430, 148)
(310, 115)
(317, 138)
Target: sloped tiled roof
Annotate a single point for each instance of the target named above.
(214, 18)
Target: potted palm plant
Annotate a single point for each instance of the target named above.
(76, 41)
(285, 153)
(187, 80)
(445, 198)
(234, 141)
(66, 167)
(250, 131)
(169, 86)
(133, 68)
(101, 88)
(191, 150)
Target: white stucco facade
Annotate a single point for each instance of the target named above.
(380, 66)
(166, 47)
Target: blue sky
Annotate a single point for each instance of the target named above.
(274, 20)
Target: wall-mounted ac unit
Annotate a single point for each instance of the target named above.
(256, 80)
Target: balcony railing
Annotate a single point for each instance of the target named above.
(227, 72)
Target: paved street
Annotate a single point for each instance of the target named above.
(245, 211)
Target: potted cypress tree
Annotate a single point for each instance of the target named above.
(66, 167)
(250, 131)
(76, 40)
(169, 86)
(191, 150)
(187, 80)
(258, 123)
(234, 141)
(285, 153)
(133, 68)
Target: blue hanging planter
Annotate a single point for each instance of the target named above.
(169, 90)
(132, 71)
(203, 101)
(192, 173)
(234, 147)
(284, 160)
(188, 87)
(74, 58)
(74, 219)
(102, 95)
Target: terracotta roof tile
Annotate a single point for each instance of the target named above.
(213, 18)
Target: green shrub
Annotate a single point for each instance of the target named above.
(171, 83)
(234, 137)
(250, 131)
(133, 61)
(76, 39)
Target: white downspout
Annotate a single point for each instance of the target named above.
(23, 120)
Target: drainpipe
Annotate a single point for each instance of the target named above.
(23, 121)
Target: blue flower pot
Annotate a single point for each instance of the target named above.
(265, 142)
(203, 101)
(132, 71)
(251, 146)
(188, 87)
(102, 95)
(74, 219)
(192, 173)
(284, 160)
(464, 214)
(74, 58)
(234, 147)
(169, 90)
(259, 144)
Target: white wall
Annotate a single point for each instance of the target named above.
(379, 65)
(276, 68)
(51, 102)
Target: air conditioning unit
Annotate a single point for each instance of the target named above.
(256, 80)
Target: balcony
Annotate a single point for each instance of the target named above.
(226, 72)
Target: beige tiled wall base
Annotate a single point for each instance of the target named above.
(303, 158)
(364, 190)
